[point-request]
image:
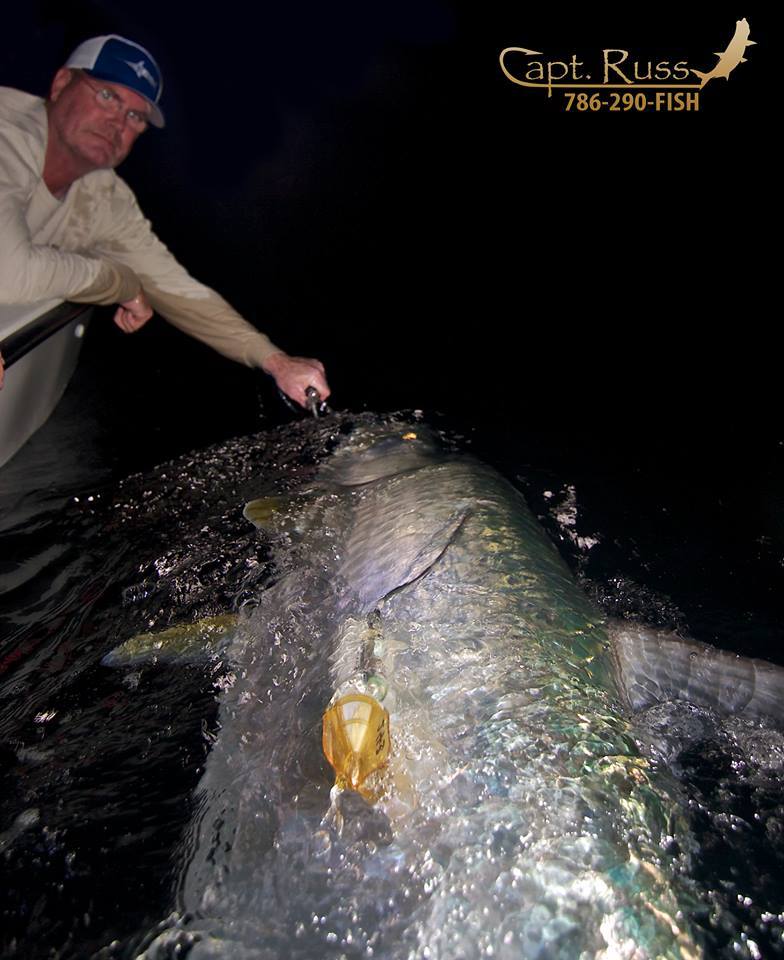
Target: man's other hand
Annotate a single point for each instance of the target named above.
(294, 375)
(133, 314)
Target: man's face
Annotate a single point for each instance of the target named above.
(97, 136)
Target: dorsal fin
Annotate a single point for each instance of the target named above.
(407, 558)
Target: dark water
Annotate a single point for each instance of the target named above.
(101, 538)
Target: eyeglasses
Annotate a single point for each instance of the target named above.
(110, 102)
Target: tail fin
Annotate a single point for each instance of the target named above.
(658, 665)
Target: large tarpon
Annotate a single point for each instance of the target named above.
(516, 817)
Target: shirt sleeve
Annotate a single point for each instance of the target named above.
(31, 272)
(187, 304)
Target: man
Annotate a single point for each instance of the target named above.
(70, 228)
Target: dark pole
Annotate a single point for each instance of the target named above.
(15, 346)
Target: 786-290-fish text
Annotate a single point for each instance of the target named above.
(667, 101)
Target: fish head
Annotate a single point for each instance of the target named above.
(373, 453)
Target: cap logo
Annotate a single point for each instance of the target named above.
(142, 72)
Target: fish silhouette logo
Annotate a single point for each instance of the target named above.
(141, 71)
(676, 83)
(731, 57)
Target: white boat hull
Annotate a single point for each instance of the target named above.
(36, 381)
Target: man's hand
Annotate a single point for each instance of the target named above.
(294, 375)
(133, 314)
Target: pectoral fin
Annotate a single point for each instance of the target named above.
(657, 665)
(183, 642)
(262, 512)
(286, 514)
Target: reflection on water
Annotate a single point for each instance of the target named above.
(100, 767)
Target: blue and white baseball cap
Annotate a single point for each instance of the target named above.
(122, 61)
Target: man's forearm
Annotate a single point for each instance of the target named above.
(32, 272)
(213, 321)
(115, 283)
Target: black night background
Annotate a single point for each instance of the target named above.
(365, 185)
(586, 295)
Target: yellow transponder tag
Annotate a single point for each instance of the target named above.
(355, 738)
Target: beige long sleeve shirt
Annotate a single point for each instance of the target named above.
(95, 245)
